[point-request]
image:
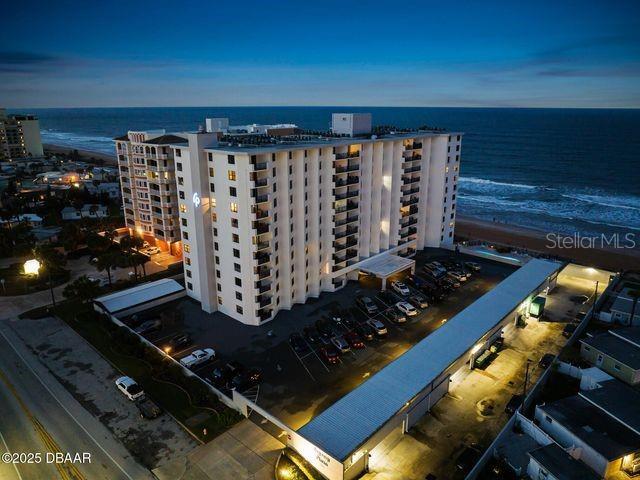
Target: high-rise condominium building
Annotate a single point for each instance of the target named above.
(269, 221)
(149, 190)
(19, 136)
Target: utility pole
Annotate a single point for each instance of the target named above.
(526, 380)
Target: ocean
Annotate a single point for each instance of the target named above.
(556, 170)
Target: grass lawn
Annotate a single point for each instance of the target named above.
(169, 396)
(16, 283)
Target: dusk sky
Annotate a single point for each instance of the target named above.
(205, 53)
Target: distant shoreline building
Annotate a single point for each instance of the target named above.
(19, 136)
(274, 216)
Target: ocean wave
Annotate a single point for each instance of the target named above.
(83, 142)
(484, 181)
(631, 203)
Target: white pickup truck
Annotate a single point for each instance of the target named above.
(197, 357)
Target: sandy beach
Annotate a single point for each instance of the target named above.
(609, 258)
(85, 155)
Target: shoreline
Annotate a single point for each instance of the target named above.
(85, 155)
(615, 259)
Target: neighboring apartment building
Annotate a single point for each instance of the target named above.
(617, 352)
(269, 222)
(149, 193)
(19, 136)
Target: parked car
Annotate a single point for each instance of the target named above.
(129, 387)
(455, 280)
(457, 275)
(222, 376)
(151, 251)
(324, 328)
(367, 305)
(365, 331)
(341, 344)
(568, 330)
(197, 357)
(434, 269)
(473, 266)
(311, 335)
(148, 409)
(418, 301)
(149, 326)
(354, 340)
(468, 458)
(395, 316)
(330, 354)
(400, 288)
(407, 308)
(145, 244)
(513, 404)
(246, 379)
(449, 282)
(298, 344)
(415, 281)
(497, 345)
(546, 360)
(178, 342)
(378, 327)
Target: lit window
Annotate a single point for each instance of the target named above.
(234, 207)
(231, 175)
(213, 202)
(183, 208)
(211, 172)
(187, 248)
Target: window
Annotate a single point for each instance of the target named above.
(217, 260)
(187, 248)
(213, 202)
(189, 286)
(183, 208)
(184, 222)
(180, 181)
(233, 192)
(181, 195)
(239, 309)
(231, 175)
(188, 272)
(234, 222)
(231, 159)
(185, 235)
(238, 296)
(178, 152)
(187, 261)
(212, 187)
(211, 171)
(179, 167)
(236, 267)
(238, 282)
(236, 253)
(235, 237)
(234, 207)
(219, 300)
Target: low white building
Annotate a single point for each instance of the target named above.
(30, 219)
(87, 211)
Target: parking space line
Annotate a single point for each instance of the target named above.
(302, 362)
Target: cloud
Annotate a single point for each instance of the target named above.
(26, 62)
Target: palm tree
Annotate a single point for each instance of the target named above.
(107, 260)
(82, 288)
(71, 236)
(50, 259)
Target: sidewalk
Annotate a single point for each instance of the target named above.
(245, 452)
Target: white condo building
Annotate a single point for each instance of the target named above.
(268, 222)
(19, 136)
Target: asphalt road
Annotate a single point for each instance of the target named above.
(38, 416)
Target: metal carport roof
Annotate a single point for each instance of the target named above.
(131, 297)
(346, 425)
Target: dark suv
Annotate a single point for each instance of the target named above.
(367, 305)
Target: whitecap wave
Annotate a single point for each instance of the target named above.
(484, 181)
(632, 203)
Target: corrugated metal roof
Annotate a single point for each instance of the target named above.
(342, 428)
(385, 264)
(118, 301)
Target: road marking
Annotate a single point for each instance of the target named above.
(65, 408)
(6, 447)
(303, 364)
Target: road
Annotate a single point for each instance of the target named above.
(37, 415)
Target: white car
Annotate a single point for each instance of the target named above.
(151, 251)
(197, 357)
(407, 308)
(400, 288)
(129, 388)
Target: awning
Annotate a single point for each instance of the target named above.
(383, 266)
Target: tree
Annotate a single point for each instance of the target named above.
(71, 236)
(51, 260)
(129, 246)
(108, 260)
(82, 288)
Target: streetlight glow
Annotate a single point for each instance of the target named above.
(31, 267)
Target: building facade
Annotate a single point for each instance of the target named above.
(19, 136)
(149, 193)
(266, 226)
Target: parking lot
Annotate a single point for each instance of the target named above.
(298, 383)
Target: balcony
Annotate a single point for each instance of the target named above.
(411, 191)
(264, 198)
(262, 246)
(410, 180)
(260, 214)
(346, 169)
(262, 258)
(417, 145)
(349, 194)
(411, 221)
(345, 221)
(350, 230)
(263, 272)
(347, 208)
(261, 228)
(263, 314)
(351, 180)
(263, 287)
(265, 302)
(259, 167)
(410, 201)
(341, 246)
(415, 168)
(260, 182)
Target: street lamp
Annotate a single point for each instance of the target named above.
(32, 267)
